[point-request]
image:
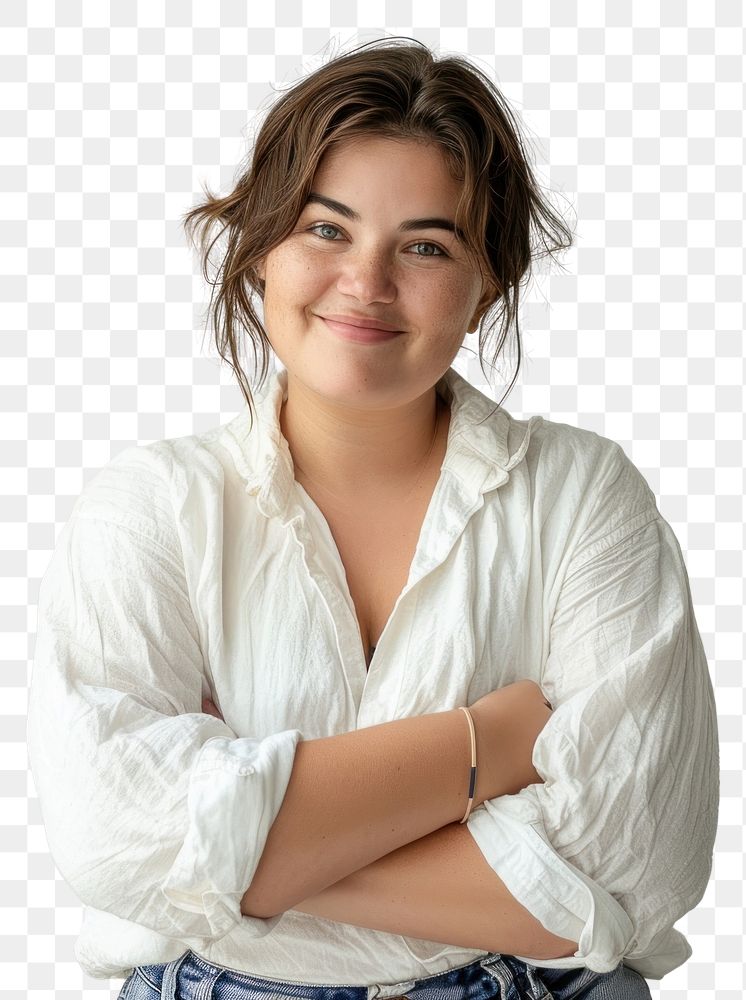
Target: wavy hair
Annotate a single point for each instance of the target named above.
(394, 88)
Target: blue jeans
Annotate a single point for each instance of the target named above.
(494, 977)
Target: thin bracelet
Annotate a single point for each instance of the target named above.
(473, 772)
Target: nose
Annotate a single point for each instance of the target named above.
(367, 275)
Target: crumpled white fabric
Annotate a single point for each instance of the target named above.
(197, 566)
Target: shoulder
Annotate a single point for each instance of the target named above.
(582, 456)
(587, 482)
(555, 444)
(145, 486)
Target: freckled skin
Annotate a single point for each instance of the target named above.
(367, 412)
(369, 267)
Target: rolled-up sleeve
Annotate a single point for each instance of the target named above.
(154, 812)
(616, 844)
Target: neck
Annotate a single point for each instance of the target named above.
(358, 453)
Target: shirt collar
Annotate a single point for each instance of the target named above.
(484, 441)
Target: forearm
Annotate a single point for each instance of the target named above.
(439, 888)
(357, 796)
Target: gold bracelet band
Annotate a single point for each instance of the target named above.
(473, 772)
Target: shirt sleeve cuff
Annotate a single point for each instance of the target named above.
(562, 898)
(235, 793)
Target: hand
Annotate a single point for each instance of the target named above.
(507, 723)
(210, 708)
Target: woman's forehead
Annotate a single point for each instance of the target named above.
(409, 163)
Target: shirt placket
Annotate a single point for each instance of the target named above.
(375, 689)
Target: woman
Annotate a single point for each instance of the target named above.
(375, 690)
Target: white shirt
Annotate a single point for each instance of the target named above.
(199, 566)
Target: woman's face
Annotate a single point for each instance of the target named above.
(380, 253)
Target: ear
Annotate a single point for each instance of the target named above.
(490, 295)
(259, 270)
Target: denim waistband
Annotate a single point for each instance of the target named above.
(192, 977)
(493, 977)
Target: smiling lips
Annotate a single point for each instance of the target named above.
(359, 329)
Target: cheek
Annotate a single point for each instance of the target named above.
(293, 278)
(452, 300)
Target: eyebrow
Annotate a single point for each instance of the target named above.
(407, 226)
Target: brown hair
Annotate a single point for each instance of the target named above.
(399, 91)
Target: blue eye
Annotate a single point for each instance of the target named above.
(323, 225)
(322, 230)
(440, 253)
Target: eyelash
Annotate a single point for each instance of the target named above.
(419, 243)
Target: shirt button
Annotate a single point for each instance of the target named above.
(246, 769)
